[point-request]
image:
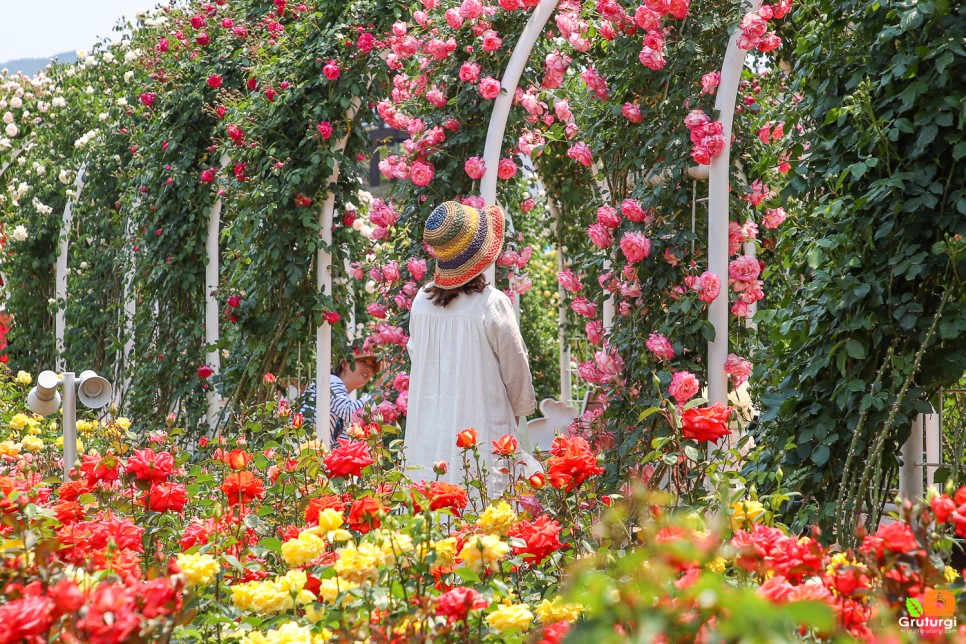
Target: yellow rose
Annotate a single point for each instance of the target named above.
(123, 423)
(746, 514)
(19, 421)
(514, 616)
(198, 570)
(32, 444)
(330, 588)
(393, 544)
(445, 550)
(483, 551)
(497, 518)
(950, 574)
(550, 612)
(302, 549)
(717, 565)
(359, 564)
(24, 378)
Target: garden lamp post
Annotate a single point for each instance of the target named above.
(94, 391)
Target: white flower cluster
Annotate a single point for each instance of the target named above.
(87, 138)
(41, 207)
(20, 233)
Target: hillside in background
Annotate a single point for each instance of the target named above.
(31, 66)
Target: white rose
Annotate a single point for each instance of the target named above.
(15, 102)
(59, 101)
(4, 144)
(366, 232)
(63, 177)
(84, 265)
(20, 233)
(108, 57)
(43, 106)
(122, 102)
(12, 130)
(81, 54)
(90, 60)
(357, 225)
(103, 116)
(8, 117)
(89, 90)
(128, 75)
(370, 286)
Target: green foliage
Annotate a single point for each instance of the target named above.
(871, 272)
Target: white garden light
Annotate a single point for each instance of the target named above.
(93, 390)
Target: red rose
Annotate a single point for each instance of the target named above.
(204, 371)
(325, 129)
(331, 317)
(571, 462)
(348, 459)
(148, 98)
(364, 514)
(896, 538)
(146, 465)
(467, 439)
(237, 459)
(505, 445)
(942, 507)
(242, 487)
(100, 469)
(320, 503)
(298, 420)
(542, 538)
(67, 596)
(68, 512)
(70, 490)
(705, 424)
(538, 480)
(214, 81)
(207, 176)
(162, 497)
(446, 495)
(456, 603)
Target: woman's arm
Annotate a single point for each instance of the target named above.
(505, 339)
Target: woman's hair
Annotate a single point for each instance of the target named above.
(443, 296)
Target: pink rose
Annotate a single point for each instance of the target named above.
(569, 281)
(489, 88)
(390, 272)
(632, 113)
(453, 18)
(652, 58)
(600, 235)
(471, 9)
(710, 82)
(421, 173)
(475, 167)
(331, 70)
(417, 268)
(506, 169)
(708, 286)
(608, 216)
(774, 217)
(595, 332)
(355, 269)
(491, 40)
(580, 152)
(377, 310)
(609, 365)
(436, 98)
(325, 129)
(660, 346)
(744, 269)
(582, 306)
(647, 19)
(382, 214)
(738, 368)
(696, 119)
(684, 385)
(633, 211)
(635, 246)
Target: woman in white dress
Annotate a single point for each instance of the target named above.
(469, 362)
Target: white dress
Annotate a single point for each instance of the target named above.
(469, 369)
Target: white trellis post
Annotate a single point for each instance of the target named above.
(323, 279)
(123, 377)
(718, 217)
(13, 157)
(212, 334)
(501, 106)
(60, 320)
(910, 473)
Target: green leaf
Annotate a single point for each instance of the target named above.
(271, 543)
(855, 349)
(812, 614)
(820, 455)
(467, 575)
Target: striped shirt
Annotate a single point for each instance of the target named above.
(341, 407)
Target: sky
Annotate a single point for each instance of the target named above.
(29, 30)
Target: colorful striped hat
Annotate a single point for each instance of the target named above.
(466, 241)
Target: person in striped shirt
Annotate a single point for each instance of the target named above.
(343, 380)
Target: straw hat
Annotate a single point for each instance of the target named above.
(465, 240)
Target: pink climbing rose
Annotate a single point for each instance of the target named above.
(635, 246)
(582, 306)
(632, 113)
(489, 88)
(569, 281)
(580, 152)
(600, 235)
(475, 167)
(738, 368)
(684, 385)
(744, 269)
(708, 286)
(660, 346)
